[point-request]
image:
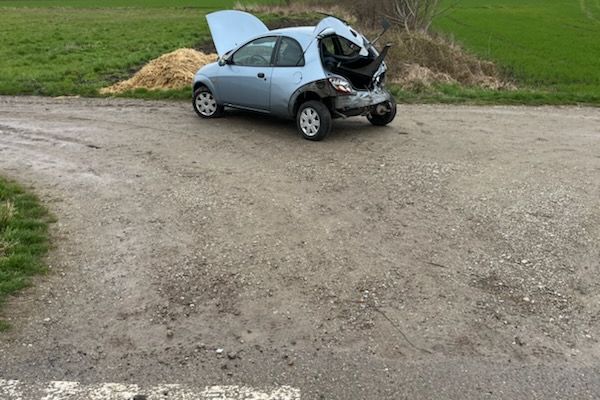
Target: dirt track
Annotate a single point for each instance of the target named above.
(454, 254)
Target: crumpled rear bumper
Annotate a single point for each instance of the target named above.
(361, 101)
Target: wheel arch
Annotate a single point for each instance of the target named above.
(204, 81)
(319, 90)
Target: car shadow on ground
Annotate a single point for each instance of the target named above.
(342, 130)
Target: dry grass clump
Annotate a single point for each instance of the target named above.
(7, 212)
(415, 77)
(173, 70)
(419, 59)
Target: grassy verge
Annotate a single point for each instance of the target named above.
(446, 94)
(454, 94)
(23, 239)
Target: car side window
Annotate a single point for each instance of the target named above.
(328, 45)
(257, 53)
(289, 54)
(338, 46)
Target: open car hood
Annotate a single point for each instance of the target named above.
(231, 28)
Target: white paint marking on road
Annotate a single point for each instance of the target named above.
(63, 390)
(10, 389)
(60, 389)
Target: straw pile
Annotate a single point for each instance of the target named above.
(173, 70)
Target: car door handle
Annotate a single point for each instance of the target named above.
(261, 75)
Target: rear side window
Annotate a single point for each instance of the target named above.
(347, 47)
(328, 46)
(289, 53)
(338, 46)
(257, 53)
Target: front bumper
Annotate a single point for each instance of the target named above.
(361, 101)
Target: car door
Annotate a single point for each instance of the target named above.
(246, 80)
(287, 74)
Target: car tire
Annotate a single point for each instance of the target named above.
(205, 104)
(313, 120)
(383, 119)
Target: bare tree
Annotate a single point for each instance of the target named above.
(415, 15)
(411, 15)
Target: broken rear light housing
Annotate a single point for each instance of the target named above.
(341, 85)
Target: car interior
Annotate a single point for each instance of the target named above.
(342, 57)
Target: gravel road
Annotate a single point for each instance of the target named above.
(453, 254)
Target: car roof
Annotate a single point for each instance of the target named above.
(296, 30)
(303, 34)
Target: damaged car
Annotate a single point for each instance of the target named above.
(310, 74)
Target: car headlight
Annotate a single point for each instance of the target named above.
(341, 85)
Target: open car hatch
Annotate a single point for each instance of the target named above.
(231, 28)
(334, 26)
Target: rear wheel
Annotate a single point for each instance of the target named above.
(385, 118)
(205, 103)
(313, 120)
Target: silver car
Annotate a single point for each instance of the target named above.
(312, 74)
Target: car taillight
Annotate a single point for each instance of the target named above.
(341, 85)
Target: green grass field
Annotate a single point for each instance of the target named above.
(75, 47)
(550, 47)
(74, 51)
(188, 4)
(23, 239)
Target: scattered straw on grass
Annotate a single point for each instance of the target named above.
(173, 70)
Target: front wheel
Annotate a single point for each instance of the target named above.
(385, 118)
(313, 120)
(205, 103)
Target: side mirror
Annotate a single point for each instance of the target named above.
(226, 59)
